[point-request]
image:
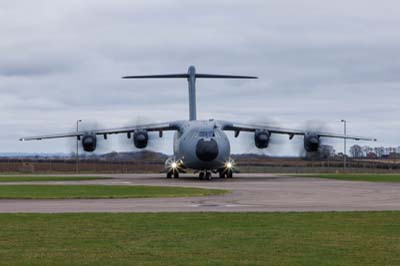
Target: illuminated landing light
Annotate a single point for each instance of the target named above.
(229, 165)
(175, 166)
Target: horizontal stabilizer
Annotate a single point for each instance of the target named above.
(213, 76)
(191, 77)
(210, 76)
(157, 76)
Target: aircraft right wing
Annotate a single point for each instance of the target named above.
(160, 127)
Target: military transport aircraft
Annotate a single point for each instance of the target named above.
(200, 145)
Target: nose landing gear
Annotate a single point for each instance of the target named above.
(205, 175)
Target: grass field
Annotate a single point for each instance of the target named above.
(99, 192)
(361, 238)
(48, 178)
(358, 177)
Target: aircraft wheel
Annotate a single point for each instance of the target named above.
(222, 174)
(169, 175)
(201, 175)
(176, 174)
(230, 174)
(208, 176)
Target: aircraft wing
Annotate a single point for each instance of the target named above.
(148, 127)
(237, 127)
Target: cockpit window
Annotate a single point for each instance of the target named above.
(206, 134)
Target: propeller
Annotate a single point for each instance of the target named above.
(154, 140)
(312, 127)
(248, 145)
(101, 145)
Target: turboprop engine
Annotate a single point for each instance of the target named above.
(311, 142)
(140, 139)
(89, 142)
(261, 138)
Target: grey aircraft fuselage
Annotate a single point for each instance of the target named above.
(201, 144)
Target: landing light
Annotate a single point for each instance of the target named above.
(229, 165)
(174, 165)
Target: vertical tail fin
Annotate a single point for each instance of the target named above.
(192, 93)
(191, 76)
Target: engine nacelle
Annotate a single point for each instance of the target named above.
(140, 139)
(311, 142)
(89, 142)
(261, 138)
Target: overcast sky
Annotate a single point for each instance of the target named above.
(316, 60)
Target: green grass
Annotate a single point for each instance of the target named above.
(99, 192)
(361, 238)
(48, 178)
(358, 177)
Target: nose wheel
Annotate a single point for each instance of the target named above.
(201, 175)
(205, 175)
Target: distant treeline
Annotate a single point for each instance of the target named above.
(148, 164)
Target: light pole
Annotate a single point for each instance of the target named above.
(344, 144)
(77, 146)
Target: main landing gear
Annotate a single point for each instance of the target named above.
(226, 174)
(171, 174)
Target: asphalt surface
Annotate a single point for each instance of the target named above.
(250, 193)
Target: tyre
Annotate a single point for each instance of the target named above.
(201, 175)
(222, 174)
(230, 174)
(208, 176)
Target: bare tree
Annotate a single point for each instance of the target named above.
(356, 151)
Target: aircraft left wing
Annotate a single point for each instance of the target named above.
(160, 127)
(238, 127)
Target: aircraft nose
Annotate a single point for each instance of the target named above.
(207, 150)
